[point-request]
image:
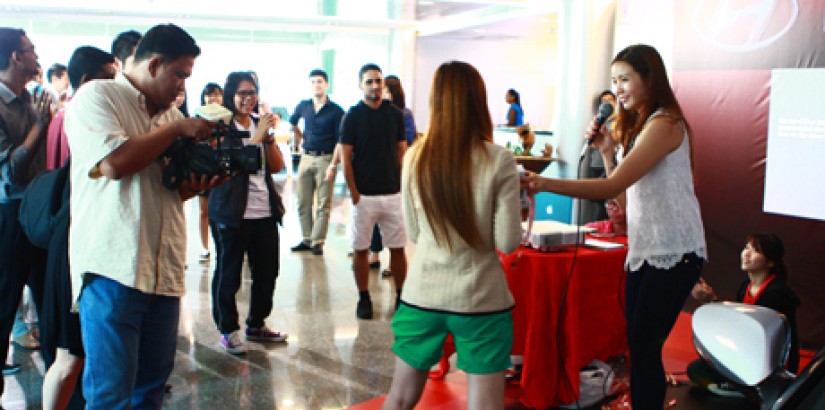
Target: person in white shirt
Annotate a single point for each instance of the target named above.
(664, 224)
(127, 238)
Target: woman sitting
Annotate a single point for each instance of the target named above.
(766, 285)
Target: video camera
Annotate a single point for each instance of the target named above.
(185, 156)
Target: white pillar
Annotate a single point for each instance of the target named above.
(402, 48)
(585, 38)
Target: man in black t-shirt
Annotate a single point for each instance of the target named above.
(372, 146)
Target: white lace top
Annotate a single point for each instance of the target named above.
(663, 217)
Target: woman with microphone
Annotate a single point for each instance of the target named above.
(665, 233)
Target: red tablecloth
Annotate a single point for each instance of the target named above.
(557, 339)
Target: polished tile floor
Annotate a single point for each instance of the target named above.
(331, 360)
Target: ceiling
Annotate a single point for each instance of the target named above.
(429, 18)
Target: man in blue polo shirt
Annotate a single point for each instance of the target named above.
(316, 171)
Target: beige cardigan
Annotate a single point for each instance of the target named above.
(465, 280)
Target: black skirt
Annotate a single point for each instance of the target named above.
(59, 327)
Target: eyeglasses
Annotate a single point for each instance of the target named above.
(370, 81)
(246, 93)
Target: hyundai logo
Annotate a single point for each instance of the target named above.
(741, 26)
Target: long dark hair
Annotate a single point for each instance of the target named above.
(771, 246)
(646, 61)
(393, 84)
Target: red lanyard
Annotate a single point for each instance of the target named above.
(751, 300)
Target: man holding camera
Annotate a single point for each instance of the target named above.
(23, 122)
(316, 171)
(127, 238)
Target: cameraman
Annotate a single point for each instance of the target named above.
(244, 215)
(127, 240)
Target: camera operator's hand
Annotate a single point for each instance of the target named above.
(195, 127)
(196, 185)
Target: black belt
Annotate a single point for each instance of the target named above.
(316, 153)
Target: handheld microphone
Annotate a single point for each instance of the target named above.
(604, 113)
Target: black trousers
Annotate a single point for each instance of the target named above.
(654, 298)
(21, 263)
(258, 239)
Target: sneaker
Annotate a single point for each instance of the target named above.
(233, 343)
(318, 249)
(10, 369)
(364, 309)
(301, 247)
(265, 334)
(725, 389)
(204, 256)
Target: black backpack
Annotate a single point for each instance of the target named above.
(45, 202)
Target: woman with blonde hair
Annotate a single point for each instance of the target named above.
(664, 224)
(461, 203)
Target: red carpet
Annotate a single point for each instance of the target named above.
(451, 393)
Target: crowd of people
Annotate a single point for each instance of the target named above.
(110, 317)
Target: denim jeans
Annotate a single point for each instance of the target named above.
(130, 339)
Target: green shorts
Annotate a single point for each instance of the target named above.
(483, 342)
